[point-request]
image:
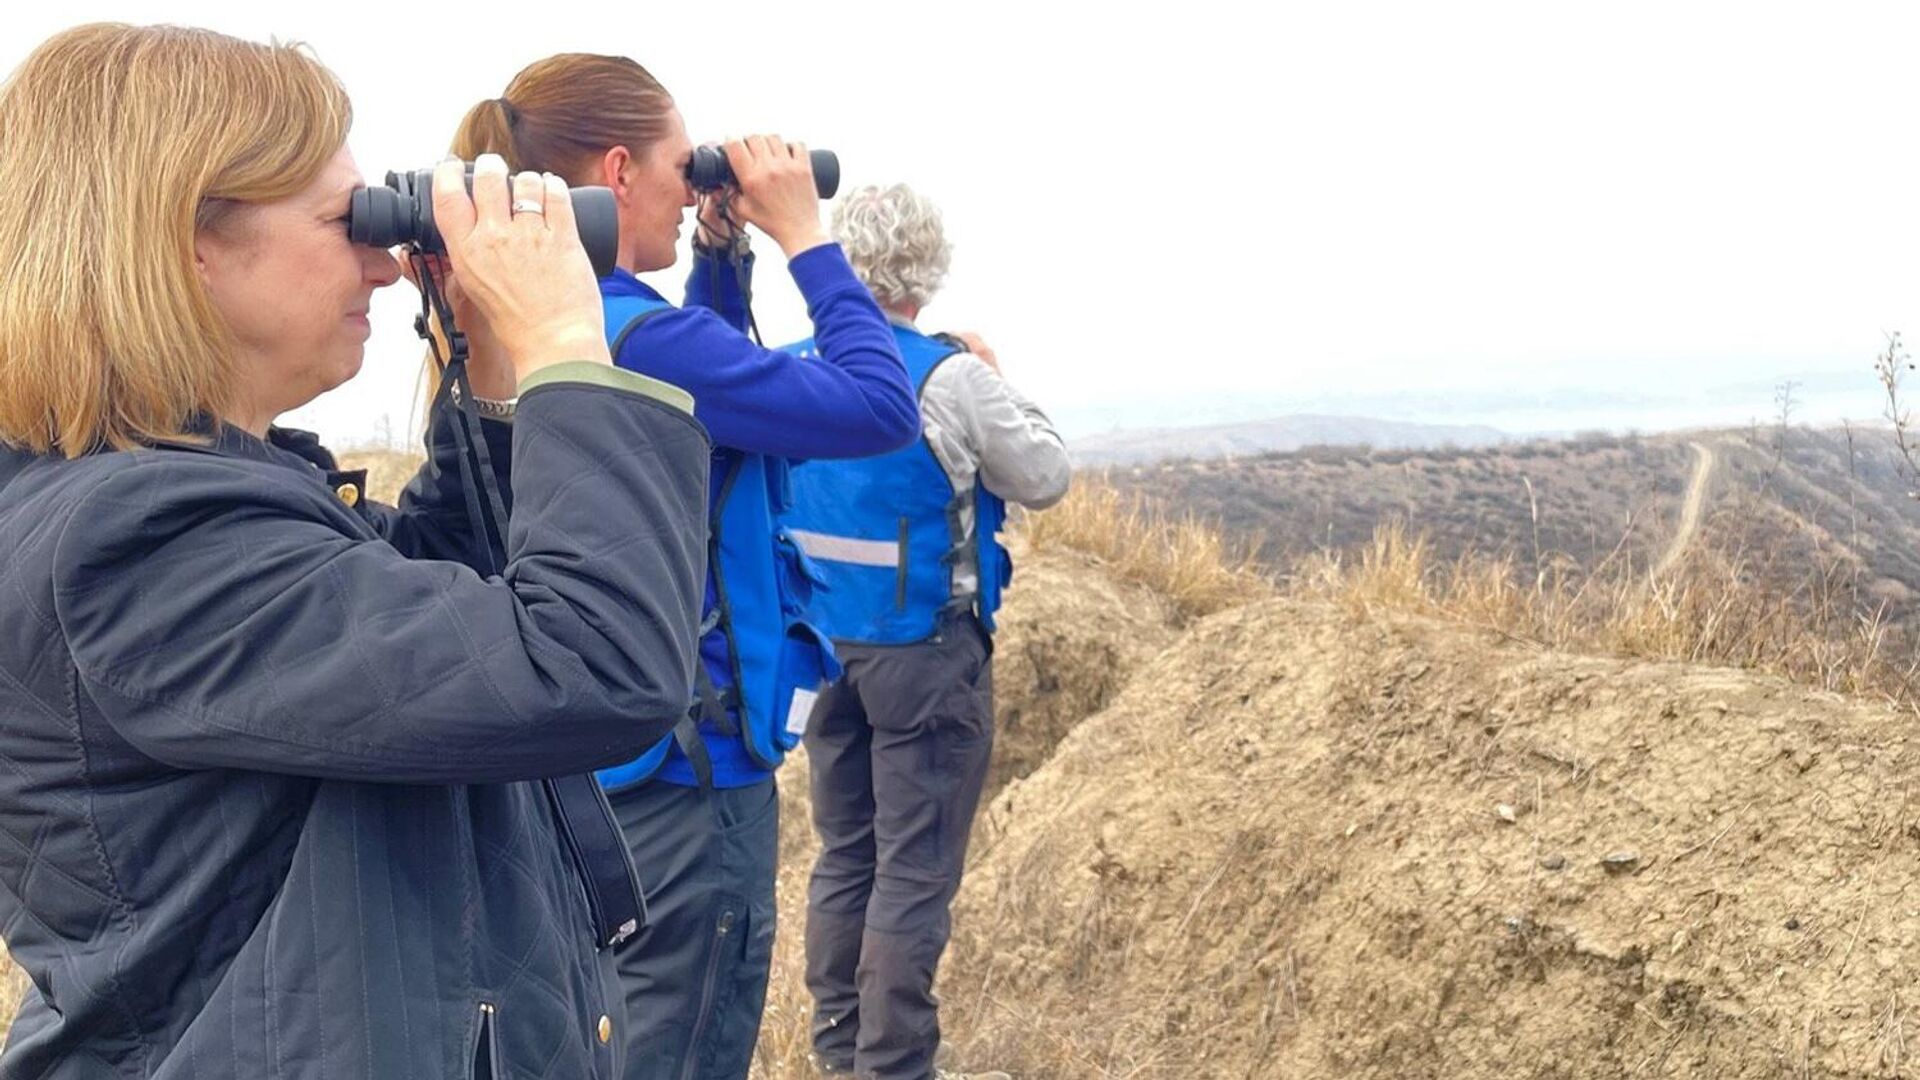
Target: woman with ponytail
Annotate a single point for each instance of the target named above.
(699, 809)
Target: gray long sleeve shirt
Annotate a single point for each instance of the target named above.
(982, 429)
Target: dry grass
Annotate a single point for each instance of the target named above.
(1185, 560)
(1733, 599)
(1736, 609)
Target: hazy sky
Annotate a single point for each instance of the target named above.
(1532, 215)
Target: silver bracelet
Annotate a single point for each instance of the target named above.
(489, 408)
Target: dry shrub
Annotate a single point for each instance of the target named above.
(1736, 608)
(1186, 560)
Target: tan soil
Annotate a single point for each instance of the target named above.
(1282, 852)
(1070, 637)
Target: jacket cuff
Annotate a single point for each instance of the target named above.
(613, 378)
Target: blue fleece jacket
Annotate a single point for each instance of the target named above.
(851, 401)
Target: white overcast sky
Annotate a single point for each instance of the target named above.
(1535, 215)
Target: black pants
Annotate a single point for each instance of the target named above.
(898, 750)
(696, 978)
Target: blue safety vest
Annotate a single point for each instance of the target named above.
(763, 582)
(885, 532)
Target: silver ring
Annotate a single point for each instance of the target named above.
(529, 206)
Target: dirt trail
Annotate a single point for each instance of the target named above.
(1689, 513)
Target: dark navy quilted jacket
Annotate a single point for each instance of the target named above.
(270, 764)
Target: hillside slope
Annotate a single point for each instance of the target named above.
(1300, 844)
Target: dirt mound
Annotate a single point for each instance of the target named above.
(1070, 637)
(1300, 845)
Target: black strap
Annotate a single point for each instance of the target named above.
(467, 436)
(586, 821)
(686, 734)
(713, 705)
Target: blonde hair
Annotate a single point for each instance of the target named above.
(561, 114)
(895, 241)
(122, 142)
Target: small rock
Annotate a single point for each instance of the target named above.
(1507, 813)
(1793, 923)
(1556, 861)
(1621, 861)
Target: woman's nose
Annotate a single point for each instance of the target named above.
(382, 269)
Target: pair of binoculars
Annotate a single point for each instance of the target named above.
(401, 211)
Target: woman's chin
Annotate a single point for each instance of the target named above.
(349, 366)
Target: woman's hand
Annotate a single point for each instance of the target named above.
(979, 347)
(776, 191)
(525, 271)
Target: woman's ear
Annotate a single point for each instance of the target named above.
(616, 171)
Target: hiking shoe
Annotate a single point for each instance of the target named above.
(955, 1074)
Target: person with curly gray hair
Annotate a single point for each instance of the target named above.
(906, 545)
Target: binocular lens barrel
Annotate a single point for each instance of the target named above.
(709, 170)
(401, 212)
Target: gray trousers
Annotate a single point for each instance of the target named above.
(695, 978)
(898, 750)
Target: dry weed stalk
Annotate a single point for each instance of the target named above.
(1187, 561)
(1714, 608)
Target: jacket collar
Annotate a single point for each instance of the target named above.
(622, 283)
(225, 440)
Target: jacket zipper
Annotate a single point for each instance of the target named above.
(486, 1048)
(720, 932)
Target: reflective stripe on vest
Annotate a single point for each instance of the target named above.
(885, 531)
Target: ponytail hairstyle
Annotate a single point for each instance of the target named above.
(562, 114)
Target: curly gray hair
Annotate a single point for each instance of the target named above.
(895, 241)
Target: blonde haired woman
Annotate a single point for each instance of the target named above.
(269, 806)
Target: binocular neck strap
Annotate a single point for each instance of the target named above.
(456, 385)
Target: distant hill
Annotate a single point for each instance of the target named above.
(1144, 446)
(1821, 502)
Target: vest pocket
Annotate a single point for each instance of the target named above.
(798, 576)
(900, 573)
(807, 665)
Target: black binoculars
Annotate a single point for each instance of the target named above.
(709, 170)
(401, 212)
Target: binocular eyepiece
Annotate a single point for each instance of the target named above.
(401, 212)
(709, 170)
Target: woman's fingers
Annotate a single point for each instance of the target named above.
(452, 207)
(559, 202)
(490, 201)
(529, 199)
